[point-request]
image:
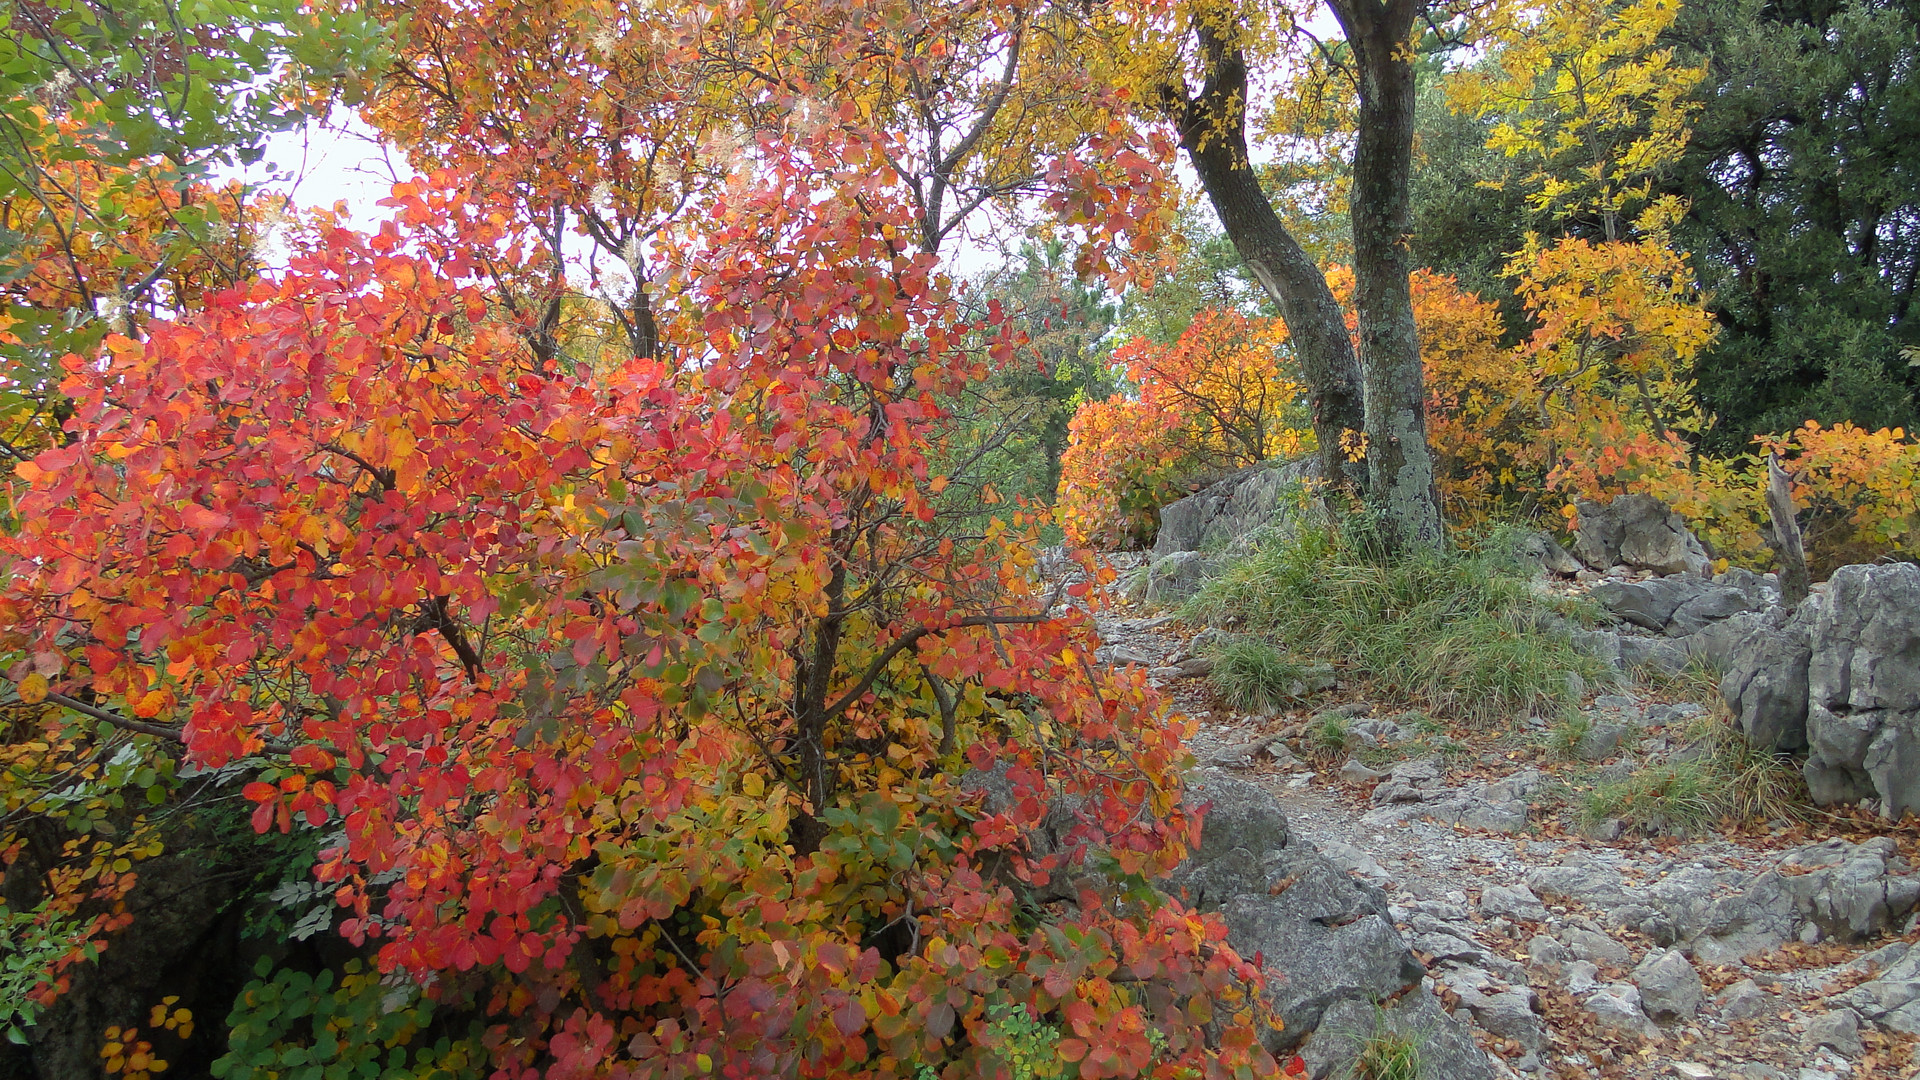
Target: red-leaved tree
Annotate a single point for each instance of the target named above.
(636, 700)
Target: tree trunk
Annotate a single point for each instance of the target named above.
(1213, 133)
(1786, 535)
(1399, 462)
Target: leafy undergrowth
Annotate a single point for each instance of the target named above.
(1463, 634)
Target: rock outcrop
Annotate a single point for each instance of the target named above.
(1637, 531)
(1833, 890)
(1336, 966)
(1227, 515)
(1841, 679)
(1863, 688)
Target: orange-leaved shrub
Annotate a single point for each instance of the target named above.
(1217, 399)
(1597, 402)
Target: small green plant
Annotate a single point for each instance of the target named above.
(289, 1023)
(1027, 1045)
(1252, 676)
(1330, 737)
(1388, 1055)
(1698, 681)
(1563, 739)
(1671, 797)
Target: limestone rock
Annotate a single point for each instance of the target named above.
(1326, 939)
(1544, 951)
(1600, 742)
(1517, 902)
(1122, 656)
(1616, 1008)
(1595, 946)
(1639, 531)
(1892, 1000)
(1743, 1000)
(1447, 1050)
(1542, 550)
(1234, 508)
(1173, 577)
(1766, 685)
(1670, 989)
(1839, 1029)
(1863, 687)
(1583, 976)
(1326, 950)
(1832, 889)
(1651, 604)
(1230, 513)
(1596, 886)
(1355, 773)
(1239, 814)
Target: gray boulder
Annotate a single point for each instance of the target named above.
(1629, 651)
(1832, 889)
(1542, 550)
(1323, 942)
(1226, 516)
(1669, 987)
(1517, 902)
(1676, 606)
(1863, 687)
(1743, 1000)
(1327, 942)
(1766, 684)
(1256, 498)
(1173, 577)
(1447, 1050)
(1637, 531)
(1615, 1008)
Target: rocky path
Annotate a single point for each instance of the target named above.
(1602, 955)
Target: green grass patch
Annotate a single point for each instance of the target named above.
(1330, 737)
(1727, 778)
(1253, 676)
(1462, 633)
(1563, 739)
(1388, 1055)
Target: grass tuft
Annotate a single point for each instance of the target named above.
(1563, 739)
(1331, 738)
(1388, 1055)
(1463, 633)
(1253, 676)
(1726, 779)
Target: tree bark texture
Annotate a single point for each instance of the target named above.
(1213, 133)
(1786, 535)
(1399, 462)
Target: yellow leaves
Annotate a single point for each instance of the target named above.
(33, 688)
(1580, 90)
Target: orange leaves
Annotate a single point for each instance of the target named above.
(1218, 399)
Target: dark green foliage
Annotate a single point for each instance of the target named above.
(305, 1027)
(1804, 179)
(1469, 212)
(1020, 414)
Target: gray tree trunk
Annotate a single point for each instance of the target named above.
(1399, 461)
(1213, 133)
